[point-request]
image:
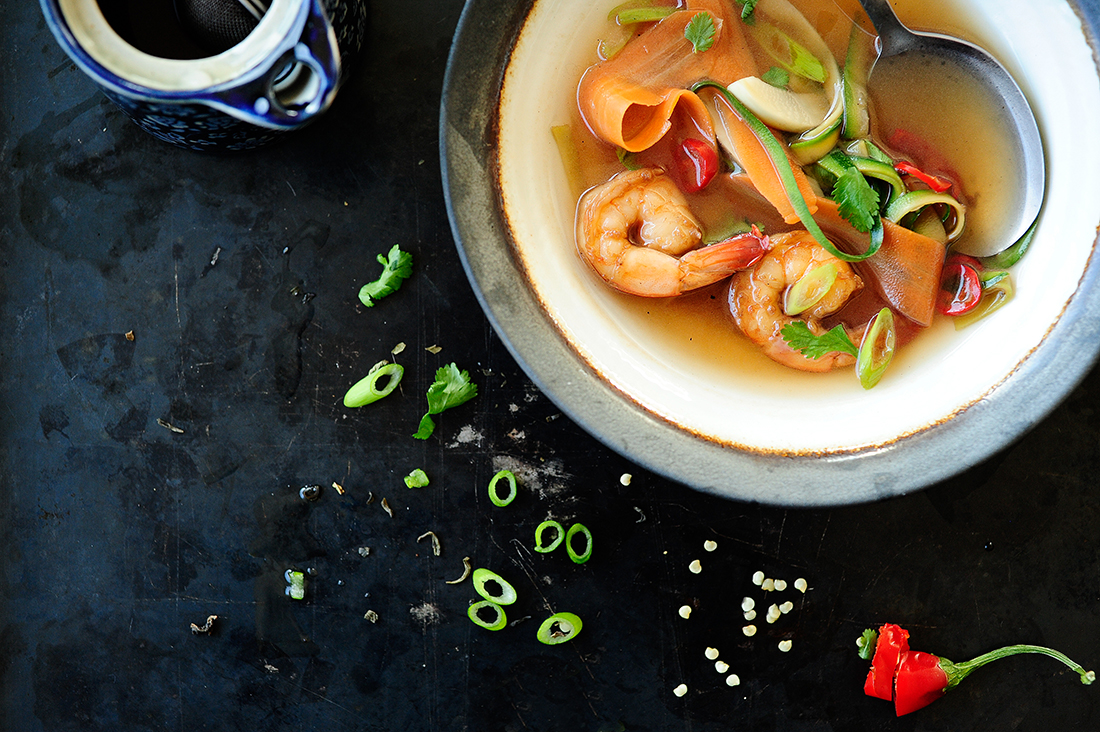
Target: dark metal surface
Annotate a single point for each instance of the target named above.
(238, 277)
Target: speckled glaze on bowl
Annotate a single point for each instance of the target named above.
(801, 442)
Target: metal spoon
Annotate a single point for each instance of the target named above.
(898, 42)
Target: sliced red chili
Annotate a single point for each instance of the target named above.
(960, 285)
(935, 182)
(892, 642)
(697, 162)
(918, 681)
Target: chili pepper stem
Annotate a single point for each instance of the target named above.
(956, 672)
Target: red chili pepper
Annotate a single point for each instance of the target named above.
(936, 183)
(892, 642)
(916, 679)
(960, 285)
(698, 164)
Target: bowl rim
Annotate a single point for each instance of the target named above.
(482, 46)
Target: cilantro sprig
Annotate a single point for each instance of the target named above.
(856, 200)
(800, 338)
(396, 268)
(450, 388)
(700, 32)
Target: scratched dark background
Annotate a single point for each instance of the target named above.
(117, 533)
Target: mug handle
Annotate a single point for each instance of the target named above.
(299, 84)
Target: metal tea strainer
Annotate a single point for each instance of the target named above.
(220, 24)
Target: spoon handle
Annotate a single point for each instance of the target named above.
(893, 35)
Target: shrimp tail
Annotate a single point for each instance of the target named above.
(714, 263)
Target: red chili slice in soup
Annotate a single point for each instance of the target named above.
(698, 164)
(960, 285)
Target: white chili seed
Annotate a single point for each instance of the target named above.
(786, 607)
(721, 667)
(800, 585)
(757, 578)
(625, 478)
(767, 585)
(680, 690)
(710, 545)
(750, 615)
(748, 604)
(685, 611)
(711, 654)
(749, 630)
(695, 567)
(733, 680)
(780, 585)
(785, 645)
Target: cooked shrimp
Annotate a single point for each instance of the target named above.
(756, 299)
(637, 232)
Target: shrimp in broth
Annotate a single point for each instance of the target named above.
(708, 94)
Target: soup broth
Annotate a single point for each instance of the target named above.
(916, 115)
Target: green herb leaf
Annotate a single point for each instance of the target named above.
(396, 268)
(799, 337)
(700, 31)
(777, 77)
(628, 159)
(866, 644)
(450, 388)
(856, 200)
(416, 479)
(747, 8)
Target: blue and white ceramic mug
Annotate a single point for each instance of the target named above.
(284, 73)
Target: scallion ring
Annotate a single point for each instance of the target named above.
(506, 594)
(499, 620)
(365, 391)
(494, 496)
(559, 536)
(559, 628)
(587, 553)
(296, 584)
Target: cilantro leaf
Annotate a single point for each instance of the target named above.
(799, 337)
(856, 200)
(396, 268)
(747, 8)
(777, 77)
(700, 31)
(450, 388)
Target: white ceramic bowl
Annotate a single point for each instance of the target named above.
(763, 433)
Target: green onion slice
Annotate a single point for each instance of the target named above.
(783, 167)
(559, 536)
(876, 350)
(810, 288)
(587, 553)
(643, 15)
(296, 582)
(499, 618)
(559, 628)
(416, 479)
(482, 578)
(912, 201)
(494, 496)
(366, 390)
(628, 5)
